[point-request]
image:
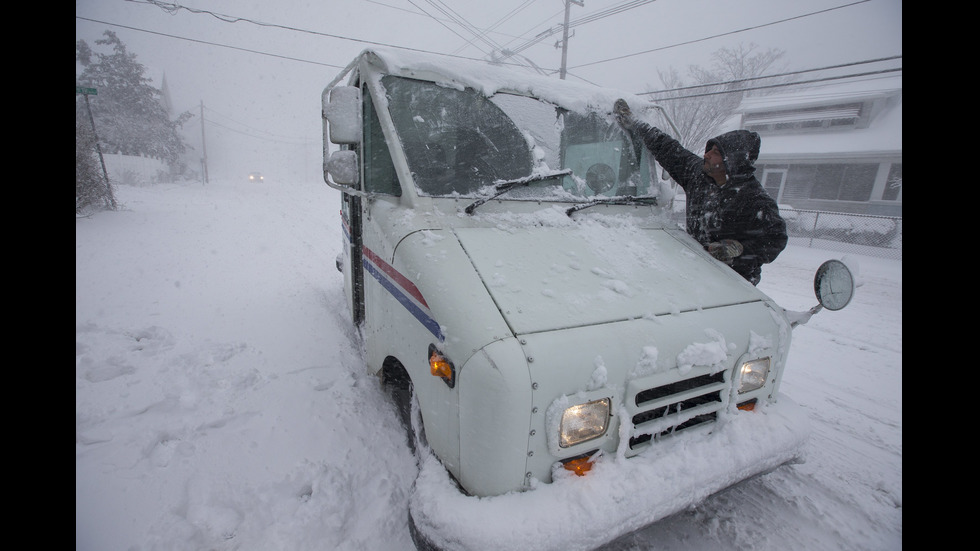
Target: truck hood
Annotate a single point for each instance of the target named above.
(548, 278)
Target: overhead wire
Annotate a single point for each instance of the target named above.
(252, 131)
(752, 28)
(290, 141)
(778, 75)
(207, 43)
(436, 19)
(173, 8)
(454, 16)
(777, 85)
(501, 21)
(595, 16)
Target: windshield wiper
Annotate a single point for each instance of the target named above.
(622, 200)
(503, 186)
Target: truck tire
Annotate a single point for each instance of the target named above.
(398, 386)
(418, 538)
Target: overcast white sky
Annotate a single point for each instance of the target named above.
(260, 83)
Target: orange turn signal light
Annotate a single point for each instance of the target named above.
(440, 366)
(579, 466)
(747, 406)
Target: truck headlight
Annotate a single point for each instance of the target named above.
(584, 422)
(752, 374)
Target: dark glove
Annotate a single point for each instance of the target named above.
(725, 250)
(623, 114)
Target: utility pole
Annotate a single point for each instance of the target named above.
(108, 187)
(204, 147)
(564, 38)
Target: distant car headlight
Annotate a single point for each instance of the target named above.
(752, 374)
(584, 422)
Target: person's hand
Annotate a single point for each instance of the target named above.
(725, 250)
(623, 114)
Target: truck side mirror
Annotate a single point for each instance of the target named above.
(342, 110)
(342, 167)
(833, 284)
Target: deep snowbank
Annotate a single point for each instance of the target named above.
(221, 403)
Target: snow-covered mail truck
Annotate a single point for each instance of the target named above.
(575, 366)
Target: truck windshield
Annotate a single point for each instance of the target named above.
(460, 143)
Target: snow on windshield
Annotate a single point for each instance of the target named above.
(467, 127)
(459, 142)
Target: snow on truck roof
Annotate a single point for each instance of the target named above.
(489, 78)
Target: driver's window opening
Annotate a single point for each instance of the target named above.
(380, 175)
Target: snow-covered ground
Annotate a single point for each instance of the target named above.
(221, 401)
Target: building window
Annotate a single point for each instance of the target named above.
(858, 181)
(833, 182)
(828, 116)
(893, 185)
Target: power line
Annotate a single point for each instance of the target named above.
(253, 129)
(477, 33)
(546, 19)
(749, 79)
(452, 19)
(207, 42)
(264, 138)
(576, 22)
(720, 35)
(627, 5)
(172, 8)
(501, 21)
(779, 85)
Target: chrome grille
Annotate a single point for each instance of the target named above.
(671, 407)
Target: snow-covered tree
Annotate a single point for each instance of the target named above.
(91, 189)
(128, 113)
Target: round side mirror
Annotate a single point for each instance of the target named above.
(833, 285)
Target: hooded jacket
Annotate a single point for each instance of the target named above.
(740, 210)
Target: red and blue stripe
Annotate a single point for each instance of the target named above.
(400, 287)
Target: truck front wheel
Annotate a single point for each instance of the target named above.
(398, 385)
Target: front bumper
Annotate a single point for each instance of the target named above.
(618, 496)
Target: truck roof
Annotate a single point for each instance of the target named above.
(489, 78)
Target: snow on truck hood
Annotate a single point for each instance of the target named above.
(547, 278)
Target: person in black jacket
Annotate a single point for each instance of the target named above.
(728, 211)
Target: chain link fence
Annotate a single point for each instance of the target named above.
(850, 233)
(870, 235)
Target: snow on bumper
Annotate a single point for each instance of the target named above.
(617, 496)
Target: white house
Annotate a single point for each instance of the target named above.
(832, 147)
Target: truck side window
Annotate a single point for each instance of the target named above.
(379, 171)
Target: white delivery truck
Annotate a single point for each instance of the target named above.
(572, 364)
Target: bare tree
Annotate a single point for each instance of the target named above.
(701, 105)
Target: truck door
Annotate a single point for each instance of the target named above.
(350, 212)
(379, 178)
